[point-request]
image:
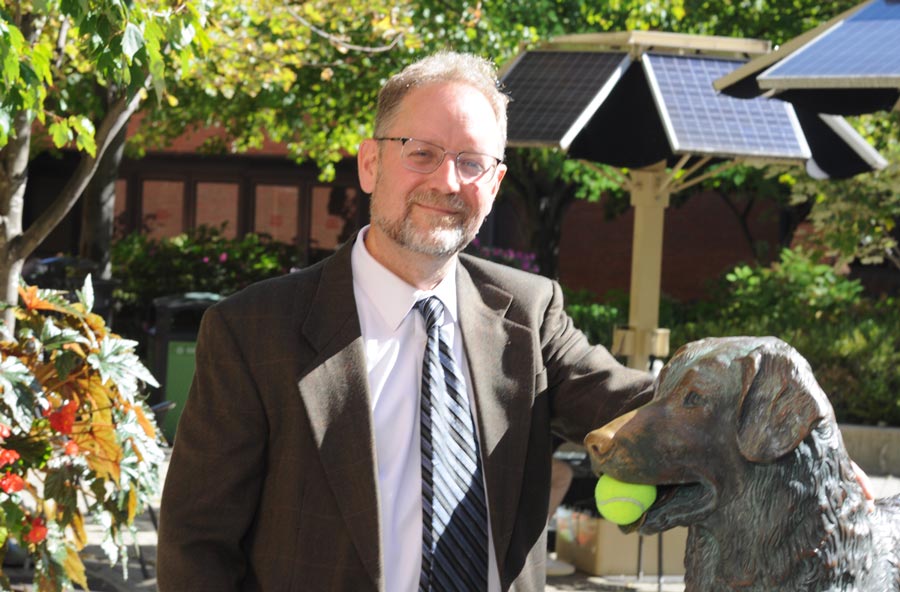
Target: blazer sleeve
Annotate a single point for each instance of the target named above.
(587, 386)
(214, 476)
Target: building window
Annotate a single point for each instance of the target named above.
(164, 195)
(218, 204)
(277, 212)
(162, 208)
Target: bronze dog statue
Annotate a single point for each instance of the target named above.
(745, 449)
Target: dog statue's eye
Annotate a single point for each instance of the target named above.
(693, 399)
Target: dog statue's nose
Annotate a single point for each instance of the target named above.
(600, 441)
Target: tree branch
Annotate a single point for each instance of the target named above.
(337, 41)
(116, 118)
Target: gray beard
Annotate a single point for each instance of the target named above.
(438, 241)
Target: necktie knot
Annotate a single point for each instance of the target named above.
(432, 311)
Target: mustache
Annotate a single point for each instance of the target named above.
(443, 200)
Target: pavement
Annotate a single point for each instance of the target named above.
(104, 578)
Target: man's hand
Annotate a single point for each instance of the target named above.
(866, 484)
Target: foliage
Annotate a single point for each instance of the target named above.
(307, 73)
(71, 75)
(300, 73)
(851, 341)
(856, 219)
(595, 319)
(55, 50)
(201, 260)
(796, 287)
(76, 440)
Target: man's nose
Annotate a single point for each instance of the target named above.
(446, 177)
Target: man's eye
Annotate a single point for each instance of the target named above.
(472, 167)
(422, 155)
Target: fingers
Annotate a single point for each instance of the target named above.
(866, 484)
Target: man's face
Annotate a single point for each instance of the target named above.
(432, 213)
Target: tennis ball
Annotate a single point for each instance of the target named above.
(620, 502)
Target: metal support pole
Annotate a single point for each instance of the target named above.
(650, 199)
(640, 558)
(659, 564)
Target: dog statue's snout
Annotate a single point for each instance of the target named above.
(601, 441)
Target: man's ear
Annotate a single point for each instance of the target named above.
(367, 164)
(498, 176)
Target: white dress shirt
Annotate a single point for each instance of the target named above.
(393, 333)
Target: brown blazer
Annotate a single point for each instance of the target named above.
(272, 482)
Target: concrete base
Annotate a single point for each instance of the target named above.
(875, 449)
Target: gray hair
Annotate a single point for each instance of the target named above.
(442, 67)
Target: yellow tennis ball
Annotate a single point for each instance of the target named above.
(623, 503)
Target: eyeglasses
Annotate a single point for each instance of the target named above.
(424, 157)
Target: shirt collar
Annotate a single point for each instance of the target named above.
(392, 297)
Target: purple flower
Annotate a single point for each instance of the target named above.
(223, 257)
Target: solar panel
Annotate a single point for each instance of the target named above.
(554, 93)
(700, 121)
(863, 50)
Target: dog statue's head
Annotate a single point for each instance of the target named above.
(720, 405)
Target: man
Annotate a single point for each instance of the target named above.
(308, 454)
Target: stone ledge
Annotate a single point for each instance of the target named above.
(875, 449)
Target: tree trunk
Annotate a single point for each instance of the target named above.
(13, 180)
(98, 209)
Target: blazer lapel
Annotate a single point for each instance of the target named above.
(336, 394)
(497, 351)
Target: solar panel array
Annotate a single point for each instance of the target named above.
(700, 121)
(554, 92)
(865, 47)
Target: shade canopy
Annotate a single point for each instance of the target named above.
(847, 66)
(634, 102)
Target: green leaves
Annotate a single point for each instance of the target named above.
(115, 360)
(106, 44)
(17, 384)
(132, 41)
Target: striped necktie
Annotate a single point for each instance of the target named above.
(454, 513)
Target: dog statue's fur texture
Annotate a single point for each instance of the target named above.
(745, 448)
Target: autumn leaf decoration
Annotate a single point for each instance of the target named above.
(77, 441)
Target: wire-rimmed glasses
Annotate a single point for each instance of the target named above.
(424, 157)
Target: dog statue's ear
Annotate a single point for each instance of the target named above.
(780, 404)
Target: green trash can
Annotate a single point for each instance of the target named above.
(173, 343)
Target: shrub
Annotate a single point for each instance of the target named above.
(851, 342)
(596, 320)
(76, 439)
(201, 260)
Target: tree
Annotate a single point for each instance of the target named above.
(72, 75)
(856, 219)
